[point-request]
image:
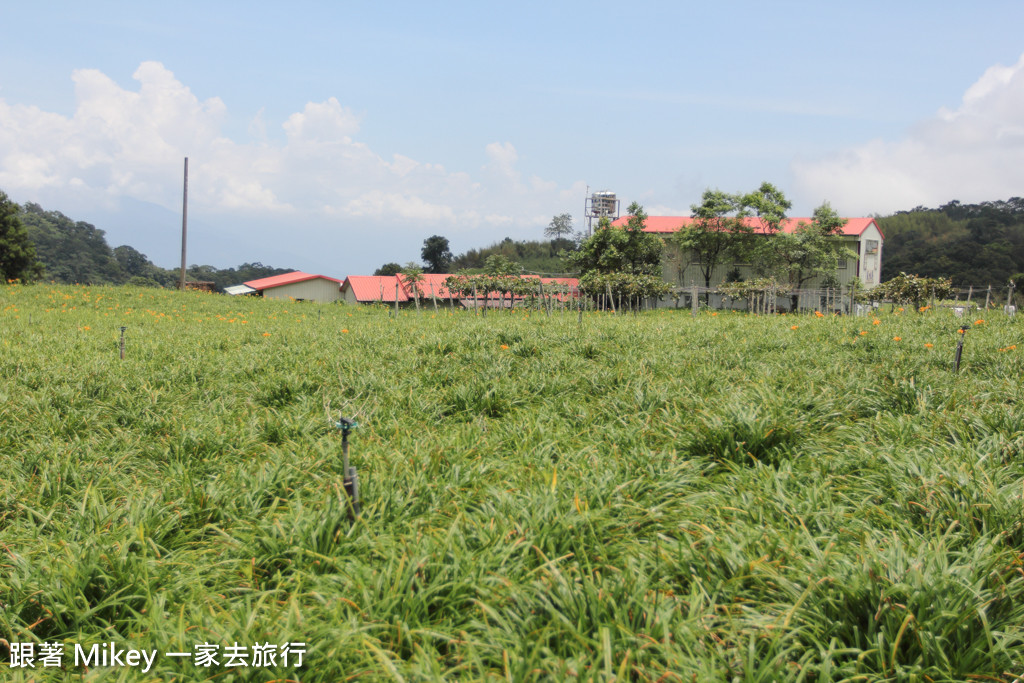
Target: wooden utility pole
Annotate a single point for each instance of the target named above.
(184, 228)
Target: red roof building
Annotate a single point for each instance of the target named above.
(368, 289)
(298, 286)
(669, 224)
(860, 234)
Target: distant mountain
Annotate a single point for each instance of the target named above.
(974, 244)
(77, 252)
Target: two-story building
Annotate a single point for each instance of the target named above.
(862, 235)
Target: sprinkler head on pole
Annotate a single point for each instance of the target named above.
(345, 425)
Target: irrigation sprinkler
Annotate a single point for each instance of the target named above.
(351, 479)
(123, 328)
(960, 348)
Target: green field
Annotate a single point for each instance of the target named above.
(652, 497)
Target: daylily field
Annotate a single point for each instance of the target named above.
(652, 497)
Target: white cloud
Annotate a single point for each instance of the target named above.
(502, 164)
(376, 204)
(972, 153)
(322, 123)
(124, 143)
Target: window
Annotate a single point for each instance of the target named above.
(872, 247)
(841, 264)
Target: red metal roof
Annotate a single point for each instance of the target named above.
(286, 279)
(428, 281)
(368, 288)
(664, 224)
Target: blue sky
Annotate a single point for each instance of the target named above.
(335, 136)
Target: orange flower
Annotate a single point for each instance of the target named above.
(863, 332)
(794, 327)
(876, 321)
(897, 338)
(979, 322)
(819, 314)
(928, 346)
(344, 331)
(504, 347)
(266, 334)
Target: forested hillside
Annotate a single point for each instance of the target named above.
(535, 256)
(76, 252)
(974, 244)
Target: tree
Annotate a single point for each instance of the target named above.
(436, 254)
(560, 227)
(17, 253)
(498, 265)
(71, 251)
(133, 263)
(718, 231)
(388, 269)
(811, 250)
(911, 289)
(628, 250)
(413, 274)
(625, 261)
(769, 204)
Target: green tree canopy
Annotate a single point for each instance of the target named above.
(71, 251)
(911, 289)
(436, 254)
(717, 232)
(810, 251)
(500, 265)
(388, 269)
(17, 253)
(769, 204)
(973, 244)
(560, 227)
(626, 250)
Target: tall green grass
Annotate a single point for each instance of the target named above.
(651, 498)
